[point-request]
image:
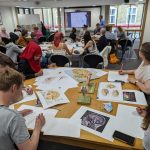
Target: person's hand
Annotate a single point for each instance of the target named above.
(141, 111)
(40, 73)
(132, 80)
(40, 121)
(122, 72)
(29, 89)
(25, 112)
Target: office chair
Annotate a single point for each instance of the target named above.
(60, 60)
(51, 38)
(93, 61)
(42, 39)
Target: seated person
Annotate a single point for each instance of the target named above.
(90, 46)
(73, 34)
(97, 29)
(3, 33)
(83, 30)
(6, 61)
(142, 74)
(29, 63)
(37, 33)
(109, 35)
(59, 45)
(13, 128)
(12, 50)
(121, 34)
(22, 41)
(102, 42)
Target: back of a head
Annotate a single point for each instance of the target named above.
(103, 31)
(120, 29)
(146, 50)
(87, 37)
(9, 77)
(36, 28)
(6, 61)
(3, 29)
(73, 30)
(108, 28)
(24, 32)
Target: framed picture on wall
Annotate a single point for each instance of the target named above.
(1, 22)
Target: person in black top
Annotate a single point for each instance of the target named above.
(97, 29)
(73, 35)
(102, 42)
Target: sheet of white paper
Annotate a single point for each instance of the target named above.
(129, 122)
(114, 75)
(47, 102)
(30, 119)
(109, 96)
(99, 122)
(99, 72)
(139, 96)
(61, 127)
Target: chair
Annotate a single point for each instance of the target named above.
(13, 37)
(51, 38)
(93, 61)
(42, 39)
(60, 60)
(126, 45)
(105, 53)
(3, 49)
(5, 40)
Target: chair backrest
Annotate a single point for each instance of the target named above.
(60, 60)
(93, 60)
(125, 43)
(51, 38)
(13, 37)
(42, 39)
(5, 40)
(3, 49)
(105, 53)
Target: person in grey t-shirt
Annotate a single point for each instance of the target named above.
(12, 125)
(146, 125)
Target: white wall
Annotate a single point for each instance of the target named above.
(95, 12)
(146, 37)
(8, 18)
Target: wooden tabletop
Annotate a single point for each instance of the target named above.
(87, 140)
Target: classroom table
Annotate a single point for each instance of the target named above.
(87, 140)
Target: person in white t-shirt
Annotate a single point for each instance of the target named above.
(142, 73)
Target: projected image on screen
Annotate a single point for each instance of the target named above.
(78, 19)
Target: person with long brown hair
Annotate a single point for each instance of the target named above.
(142, 73)
(145, 125)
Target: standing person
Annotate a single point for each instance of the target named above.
(102, 21)
(97, 29)
(90, 46)
(13, 129)
(29, 63)
(73, 34)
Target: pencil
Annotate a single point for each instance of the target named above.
(121, 66)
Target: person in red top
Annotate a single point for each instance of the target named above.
(29, 63)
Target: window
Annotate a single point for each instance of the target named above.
(39, 12)
(26, 11)
(21, 11)
(113, 13)
(131, 16)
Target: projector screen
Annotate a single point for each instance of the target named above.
(78, 19)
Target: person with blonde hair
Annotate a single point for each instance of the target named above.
(14, 132)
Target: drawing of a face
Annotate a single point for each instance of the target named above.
(93, 121)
